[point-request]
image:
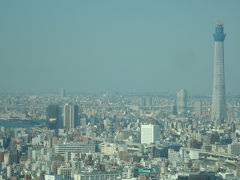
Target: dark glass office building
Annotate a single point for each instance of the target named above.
(53, 116)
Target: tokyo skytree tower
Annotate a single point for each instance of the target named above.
(218, 114)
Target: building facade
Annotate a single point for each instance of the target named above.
(77, 147)
(150, 133)
(70, 116)
(53, 116)
(97, 175)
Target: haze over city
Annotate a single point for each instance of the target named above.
(119, 90)
(116, 46)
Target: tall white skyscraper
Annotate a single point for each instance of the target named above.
(182, 102)
(218, 114)
(150, 133)
(70, 116)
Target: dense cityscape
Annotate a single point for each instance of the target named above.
(94, 133)
(117, 136)
(123, 136)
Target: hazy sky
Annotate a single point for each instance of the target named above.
(110, 45)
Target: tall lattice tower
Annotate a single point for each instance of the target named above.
(218, 98)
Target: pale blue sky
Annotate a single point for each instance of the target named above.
(110, 45)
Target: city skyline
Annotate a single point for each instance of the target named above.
(123, 47)
(119, 90)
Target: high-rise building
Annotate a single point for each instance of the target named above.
(67, 116)
(218, 114)
(150, 133)
(182, 102)
(53, 116)
(70, 116)
(147, 101)
(174, 108)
